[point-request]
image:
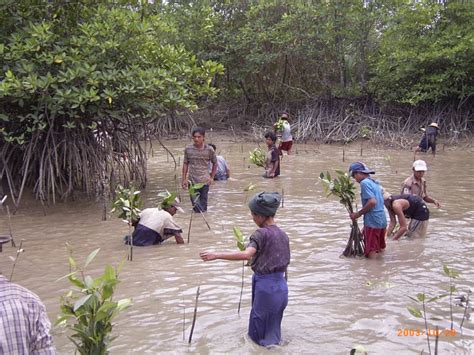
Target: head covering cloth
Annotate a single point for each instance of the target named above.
(265, 203)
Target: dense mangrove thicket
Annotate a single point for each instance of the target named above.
(83, 82)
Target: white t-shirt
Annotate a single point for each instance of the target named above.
(157, 220)
(286, 134)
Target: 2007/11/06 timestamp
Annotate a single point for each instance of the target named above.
(406, 332)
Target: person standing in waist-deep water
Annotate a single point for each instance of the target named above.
(372, 209)
(195, 164)
(412, 206)
(429, 139)
(416, 183)
(223, 171)
(272, 161)
(286, 137)
(269, 252)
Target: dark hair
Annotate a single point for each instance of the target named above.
(213, 146)
(271, 135)
(199, 130)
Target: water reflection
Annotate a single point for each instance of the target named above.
(334, 303)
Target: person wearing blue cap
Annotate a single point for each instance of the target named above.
(372, 209)
(269, 252)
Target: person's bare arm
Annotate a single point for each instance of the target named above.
(367, 207)
(237, 255)
(184, 176)
(179, 239)
(392, 224)
(398, 209)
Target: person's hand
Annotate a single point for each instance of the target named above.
(272, 175)
(210, 181)
(184, 185)
(354, 215)
(207, 256)
(436, 203)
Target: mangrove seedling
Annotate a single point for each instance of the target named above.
(88, 309)
(168, 198)
(193, 190)
(15, 259)
(241, 244)
(343, 188)
(258, 157)
(127, 204)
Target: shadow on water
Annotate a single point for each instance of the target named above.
(334, 303)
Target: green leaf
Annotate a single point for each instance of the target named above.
(421, 297)
(415, 312)
(81, 301)
(91, 257)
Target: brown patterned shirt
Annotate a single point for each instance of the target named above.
(198, 160)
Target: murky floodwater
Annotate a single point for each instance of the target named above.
(334, 303)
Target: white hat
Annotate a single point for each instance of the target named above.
(419, 165)
(433, 124)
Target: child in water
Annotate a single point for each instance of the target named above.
(269, 252)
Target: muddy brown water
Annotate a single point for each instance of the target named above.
(334, 303)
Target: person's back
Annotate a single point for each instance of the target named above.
(24, 324)
(375, 218)
(417, 207)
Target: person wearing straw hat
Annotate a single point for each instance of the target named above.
(416, 183)
(372, 209)
(269, 252)
(399, 206)
(156, 225)
(429, 139)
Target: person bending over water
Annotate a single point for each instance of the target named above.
(269, 252)
(412, 206)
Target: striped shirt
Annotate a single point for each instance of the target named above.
(24, 324)
(198, 160)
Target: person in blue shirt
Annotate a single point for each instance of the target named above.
(372, 209)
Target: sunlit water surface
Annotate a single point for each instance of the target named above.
(334, 303)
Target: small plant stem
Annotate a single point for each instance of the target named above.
(361, 148)
(241, 286)
(282, 197)
(189, 228)
(184, 320)
(243, 163)
(18, 251)
(195, 204)
(426, 327)
(194, 315)
(130, 249)
(10, 227)
(436, 341)
(451, 301)
(343, 155)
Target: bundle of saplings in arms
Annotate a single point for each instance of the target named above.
(343, 188)
(258, 156)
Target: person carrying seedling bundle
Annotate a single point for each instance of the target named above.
(269, 252)
(196, 159)
(272, 161)
(157, 225)
(375, 221)
(283, 130)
